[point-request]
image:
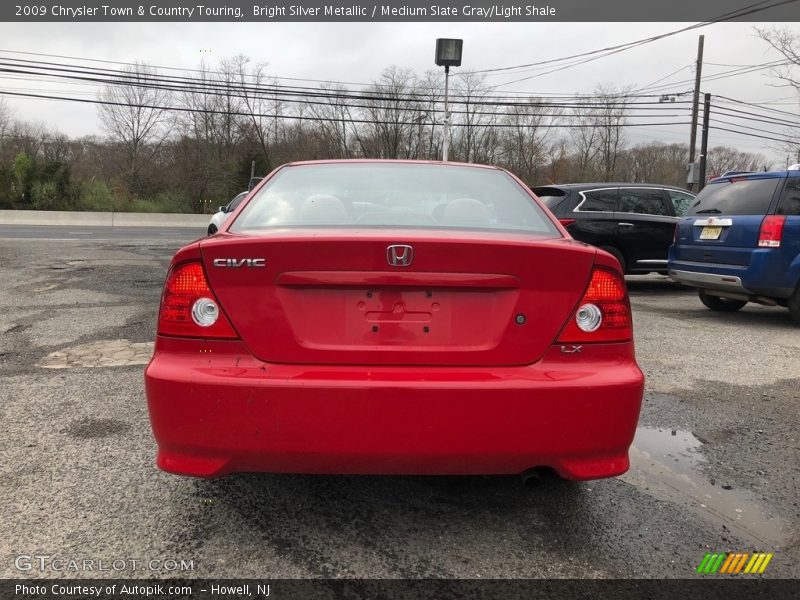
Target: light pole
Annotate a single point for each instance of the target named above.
(448, 54)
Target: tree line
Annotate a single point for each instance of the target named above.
(187, 144)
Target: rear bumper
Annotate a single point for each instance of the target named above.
(710, 281)
(215, 409)
(766, 275)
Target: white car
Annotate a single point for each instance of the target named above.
(222, 213)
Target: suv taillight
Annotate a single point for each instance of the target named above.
(188, 306)
(604, 312)
(771, 232)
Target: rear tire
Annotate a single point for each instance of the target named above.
(616, 254)
(718, 304)
(212, 229)
(794, 305)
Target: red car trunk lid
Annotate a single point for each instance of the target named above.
(326, 297)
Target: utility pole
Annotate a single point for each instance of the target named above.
(448, 54)
(704, 142)
(446, 140)
(696, 103)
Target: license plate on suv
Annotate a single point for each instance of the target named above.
(710, 232)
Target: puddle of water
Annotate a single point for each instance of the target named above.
(667, 466)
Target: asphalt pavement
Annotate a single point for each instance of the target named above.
(715, 467)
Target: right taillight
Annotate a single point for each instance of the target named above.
(771, 232)
(604, 312)
(188, 306)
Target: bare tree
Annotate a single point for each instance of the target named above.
(477, 139)
(585, 137)
(526, 137)
(724, 158)
(654, 162)
(334, 120)
(29, 137)
(135, 114)
(262, 110)
(792, 145)
(787, 43)
(611, 118)
(430, 90)
(599, 131)
(391, 114)
(212, 126)
(5, 118)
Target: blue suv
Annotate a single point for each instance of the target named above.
(740, 242)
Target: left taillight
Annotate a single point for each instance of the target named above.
(188, 306)
(604, 312)
(771, 232)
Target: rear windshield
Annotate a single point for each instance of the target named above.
(393, 195)
(743, 197)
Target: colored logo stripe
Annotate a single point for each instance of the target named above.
(734, 563)
(711, 562)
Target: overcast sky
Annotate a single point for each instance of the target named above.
(358, 52)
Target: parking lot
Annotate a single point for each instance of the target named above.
(715, 466)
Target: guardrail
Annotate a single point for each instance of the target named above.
(100, 219)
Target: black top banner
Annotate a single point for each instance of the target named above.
(408, 10)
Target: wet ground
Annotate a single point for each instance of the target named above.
(715, 464)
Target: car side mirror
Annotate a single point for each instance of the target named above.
(222, 209)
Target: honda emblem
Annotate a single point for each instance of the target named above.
(399, 255)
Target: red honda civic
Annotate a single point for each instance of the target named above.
(393, 317)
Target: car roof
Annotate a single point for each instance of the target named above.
(757, 175)
(608, 184)
(390, 161)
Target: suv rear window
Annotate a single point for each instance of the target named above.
(743, 197)
(790, 199)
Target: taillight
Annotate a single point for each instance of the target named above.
(188, 306)
(566, 222)
(604, 312)
(771, 232)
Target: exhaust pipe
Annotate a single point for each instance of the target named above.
(532, 477)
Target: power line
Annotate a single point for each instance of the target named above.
(755, 135)
(751, 116)
(743, 102)
(374, 84)
(747, 10)
(304, 118)
(182, 84)
(743, 126)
